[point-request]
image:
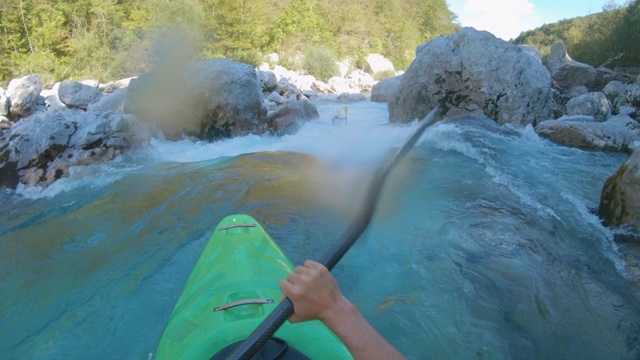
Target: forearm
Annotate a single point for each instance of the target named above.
(362, 340)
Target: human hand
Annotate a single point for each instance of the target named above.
(313, 291)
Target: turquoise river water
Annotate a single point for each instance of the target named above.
(484, 244)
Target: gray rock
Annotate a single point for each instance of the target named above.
(4, 123)
(595, 104)
(289, 117)
(303, 82)
(614, 89)
(115, 85)
(24, 93)
(620, 197)
(276, 98)
(385, 89)
(77, 95)
(532, 51)
(268, 81)
(339, 85)
(310, 94)
(630, 97)
(576, 90)
(376, 63)
(91, 82)
(5, 104)
(473, 72)
(287, 89)
(566, 71)
(111, 102)
(210, 99)
(321, 87)
(618, 134)
(41, 150)
(51, 99)
(360, 80)
(627, 110)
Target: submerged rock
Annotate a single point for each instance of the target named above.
(473, 72)
(620, 198)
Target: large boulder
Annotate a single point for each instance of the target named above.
(618, 134)
(595, 104)
(41, 150)
(360, 80)
(385, 89)
(473, 72)
(532, 51)
(620, 197)
(24, 93)
(210, 99)
(340, 85)
(289, 117)
(567, 72)
(376, 63)
(78, 95)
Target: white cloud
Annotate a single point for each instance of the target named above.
(503, 18)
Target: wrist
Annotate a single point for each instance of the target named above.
(341, 311)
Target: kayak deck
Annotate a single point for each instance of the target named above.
(237, 274)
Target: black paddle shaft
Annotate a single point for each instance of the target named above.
(281, 313)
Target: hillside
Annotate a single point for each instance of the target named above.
(107, 39)
(610, 36)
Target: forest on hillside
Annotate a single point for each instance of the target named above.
(611, 37)
(109, 39)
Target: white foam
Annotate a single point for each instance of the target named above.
(92, 176)
(365, 138)
(609, 247)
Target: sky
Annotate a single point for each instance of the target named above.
(506, 19)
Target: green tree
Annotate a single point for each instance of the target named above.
(434, 19)
(628, 35)
(106, 39)
(238, 29)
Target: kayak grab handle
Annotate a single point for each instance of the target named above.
(235, 226)
(243, 302)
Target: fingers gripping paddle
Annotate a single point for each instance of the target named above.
(264, 331)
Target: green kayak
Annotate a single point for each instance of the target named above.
(232, 288)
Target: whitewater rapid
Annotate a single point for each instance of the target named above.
(484, 244)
